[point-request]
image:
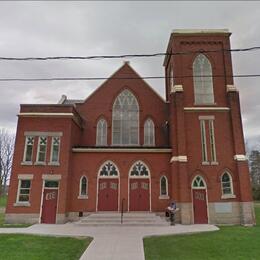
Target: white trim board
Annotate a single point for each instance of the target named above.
(216, 109)
(120, 150)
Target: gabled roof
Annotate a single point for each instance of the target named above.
(127, 66)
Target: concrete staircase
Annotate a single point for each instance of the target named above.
(129, 219)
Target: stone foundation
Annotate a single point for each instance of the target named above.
(224, 213)
(218, 213)
(12, 218)
(247, 213)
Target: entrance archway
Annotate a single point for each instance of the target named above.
(108, 187)
(139, 187)
(200, 201)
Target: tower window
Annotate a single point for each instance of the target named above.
(202, 78)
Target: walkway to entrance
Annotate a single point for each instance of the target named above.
(111, 242)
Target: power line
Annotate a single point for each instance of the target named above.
(159, 54)
(126, 78)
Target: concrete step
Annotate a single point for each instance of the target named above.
(129, 219)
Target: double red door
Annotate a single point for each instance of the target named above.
(49, 206)
(200, 206)
(139, 195)
(108, 195)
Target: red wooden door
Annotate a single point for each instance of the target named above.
(139, 195)
(108, 195)
(49, 206)
(200, 206)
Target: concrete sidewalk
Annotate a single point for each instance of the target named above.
(111, 242)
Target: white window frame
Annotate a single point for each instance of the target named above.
(121, 136)
(81, 196)
(57, 163)
(200, 179)
(164, 196)
(229, 195)
(199, 80)
(149, 126)
(212, 142)
(38, 151)
(103, 136)
(25, 150)
(171, 78)
(204, 152)
(23, 203)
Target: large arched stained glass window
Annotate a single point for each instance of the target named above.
(125, 119)
(202, 78)
(101, 138)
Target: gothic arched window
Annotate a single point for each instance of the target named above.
(101, 138)
(83, 186)
(139, 169)
(108, 169)
(149, 132)
(202, 78)
(163, 186)
(226, 184)
(198, 182)
(125, 119)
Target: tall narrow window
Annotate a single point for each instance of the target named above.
(55, 149)
(163, 186)
(171, 78)
(42, 148)
(202, 78)
(24, 191)
(149, 132)
(28, 149)
(83, 188)
(101, 138)
(125, 119)
(203, 141)
(212, 141)
(226, 184)
(208, 145)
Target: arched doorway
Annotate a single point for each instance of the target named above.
(108, 187)
(200, 201)
(139, 187)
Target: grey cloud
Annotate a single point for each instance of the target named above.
(96, 28)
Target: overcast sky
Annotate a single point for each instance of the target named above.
(112, 28)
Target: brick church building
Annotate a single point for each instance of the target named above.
(125, 143)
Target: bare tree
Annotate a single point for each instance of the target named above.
(6, 158)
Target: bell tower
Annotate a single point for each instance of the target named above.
(204, 118)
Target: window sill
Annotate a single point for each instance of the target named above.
(205, 163)
(54, 164)
(26, 163)
(40, 163)
(82, 197)
(205, 104)
(209, 163)
(22, 204)
(228, 196)
(214, 163)
(164, 197)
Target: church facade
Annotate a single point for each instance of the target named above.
(125, 146)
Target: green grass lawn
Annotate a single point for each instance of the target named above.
(230, 242)
(41, 247)
(3, 200)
